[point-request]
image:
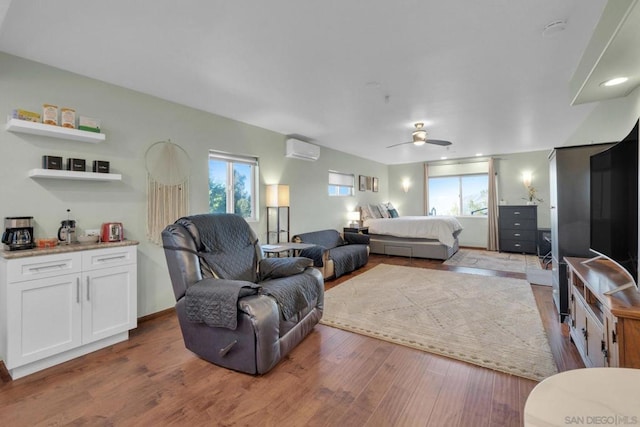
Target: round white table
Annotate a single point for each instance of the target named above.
(586, 397)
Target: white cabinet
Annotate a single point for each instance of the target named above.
(109, 292)
(61, 306)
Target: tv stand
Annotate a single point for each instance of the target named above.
(604, 313)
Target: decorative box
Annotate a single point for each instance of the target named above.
(52, 162)
(89, 124)
(100, 166)
(29, 116)
(79, 165)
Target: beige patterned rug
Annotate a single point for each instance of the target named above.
(492, 322)
(501, 261)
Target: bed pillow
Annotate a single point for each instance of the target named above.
(365, 213)
(384, 210)
(375, 211)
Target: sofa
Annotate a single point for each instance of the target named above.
(235, 308)
(335, 254)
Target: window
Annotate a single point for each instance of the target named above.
(341, 184)
(459, 195)
(233, 185)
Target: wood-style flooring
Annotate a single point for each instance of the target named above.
(333, 378)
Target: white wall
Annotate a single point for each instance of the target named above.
(509, 168)
(132, 122)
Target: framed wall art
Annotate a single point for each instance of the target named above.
(374, 185)
(362, 183)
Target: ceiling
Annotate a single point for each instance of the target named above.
(353, 76)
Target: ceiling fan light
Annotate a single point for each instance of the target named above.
(418, 142)
(419, 135)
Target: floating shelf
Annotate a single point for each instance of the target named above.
(24, 126)
(73, 175)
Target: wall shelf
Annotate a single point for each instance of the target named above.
(74, 175)
(24, 126)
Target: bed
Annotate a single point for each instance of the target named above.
(434, 237)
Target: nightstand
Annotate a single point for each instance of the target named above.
(360, 230)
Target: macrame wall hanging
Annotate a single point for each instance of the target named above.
(168, 170)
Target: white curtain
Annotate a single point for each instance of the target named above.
(426, 189)
(492, 211)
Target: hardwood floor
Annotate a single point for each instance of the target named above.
(333, 378)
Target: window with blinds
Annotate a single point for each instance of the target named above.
(341, 184)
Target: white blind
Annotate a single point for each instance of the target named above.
(471, 168)
(341, 179)
(234, 158)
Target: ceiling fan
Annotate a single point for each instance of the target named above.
(420, 138)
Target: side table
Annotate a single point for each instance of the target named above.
(360, 230)
(587, 396)
(288, 249)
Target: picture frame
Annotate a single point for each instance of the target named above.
(362, 183)
(369, 183)
(374, 185)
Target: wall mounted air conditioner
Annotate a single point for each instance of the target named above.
(302, 150)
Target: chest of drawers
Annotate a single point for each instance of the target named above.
(517, 228)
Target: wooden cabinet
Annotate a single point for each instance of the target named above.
(517, 228)
(57, 307)
(604, 328)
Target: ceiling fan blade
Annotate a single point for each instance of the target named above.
(438, 142)
(402, 143)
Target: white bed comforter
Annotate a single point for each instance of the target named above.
(443, 228)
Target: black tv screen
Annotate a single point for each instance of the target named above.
(614, 203)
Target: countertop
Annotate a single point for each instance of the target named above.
(74, 247)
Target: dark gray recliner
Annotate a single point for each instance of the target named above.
(235, 308)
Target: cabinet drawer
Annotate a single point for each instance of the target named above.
(518, 212)
(108, 257)
(520, 246)
(39, 267)
(518, 224)
(524, 235)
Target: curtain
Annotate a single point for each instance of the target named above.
(426, 190)
(492, 211)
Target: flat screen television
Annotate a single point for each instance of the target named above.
(614, 204)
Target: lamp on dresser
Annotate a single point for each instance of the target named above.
(277, 213)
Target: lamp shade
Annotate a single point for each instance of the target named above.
(277, 195)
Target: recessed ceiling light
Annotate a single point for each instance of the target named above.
(615, 81)
(478, 154)
(443, 158)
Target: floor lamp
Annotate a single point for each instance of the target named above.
(278, 208)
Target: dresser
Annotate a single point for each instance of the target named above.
(517, 228)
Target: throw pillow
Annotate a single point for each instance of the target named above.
(384, 210)
(393, 213)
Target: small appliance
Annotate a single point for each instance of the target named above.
(112, 232)
(18, 233)
(67, 231)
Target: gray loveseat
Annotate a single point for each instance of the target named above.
(335, 255)
(235, 308)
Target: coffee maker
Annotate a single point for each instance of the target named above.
(18, 233)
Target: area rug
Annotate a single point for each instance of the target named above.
(489, 260)
(491, 322)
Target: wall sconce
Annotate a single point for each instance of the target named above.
(526, 178)
(277, 195)
(354, 218)
(406, 184)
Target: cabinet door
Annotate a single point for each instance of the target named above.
(580, 324)
(595, 342)
(109, 302)
(43, 318)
